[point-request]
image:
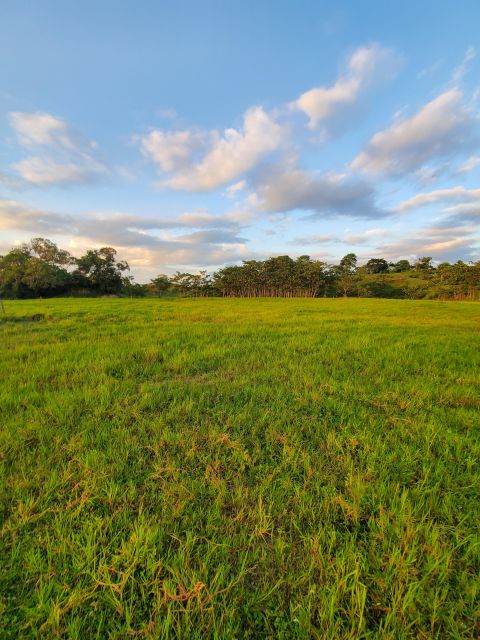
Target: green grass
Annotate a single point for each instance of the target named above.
(239, 469)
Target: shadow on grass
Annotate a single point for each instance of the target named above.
(36, 317)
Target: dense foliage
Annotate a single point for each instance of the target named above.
(41, 269)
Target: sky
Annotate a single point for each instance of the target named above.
(194, 134)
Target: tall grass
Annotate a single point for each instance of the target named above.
(239, 469)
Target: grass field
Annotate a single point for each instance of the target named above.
(239, 469)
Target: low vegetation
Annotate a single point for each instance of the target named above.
(41, 269)
(231, 468)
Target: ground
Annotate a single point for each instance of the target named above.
(211, 468)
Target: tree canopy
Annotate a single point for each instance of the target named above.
(39, 268)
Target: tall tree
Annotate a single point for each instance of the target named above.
(424, 264)
(401, 265)
(100, 270)
(34, 269)
(375, 265)
(348, 264)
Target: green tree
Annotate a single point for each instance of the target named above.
(99, 270)
(159, 285)
(424, 264)
(400, 266)
(34, 269)
(348, 264)
(375, 265)
(48, 251)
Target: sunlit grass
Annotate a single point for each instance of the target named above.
(239, 469)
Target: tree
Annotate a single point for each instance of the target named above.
(48, 251)
(348, 264)
(375, 265)
(13, 268)
(159, 285)
(401, 265)
(424, 264)
(99, 270)
(34, 269)
(40, 268)
(133, 289)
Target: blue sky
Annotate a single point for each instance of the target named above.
(195, 134)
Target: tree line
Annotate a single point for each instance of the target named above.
(40, 269)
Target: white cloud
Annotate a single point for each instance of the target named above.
(203, 219)
(426, 71)
(364, 236)
(45, 172)
(63, 156)
(469, 165)
(235, 188)
(455, 194)
(200, 161)
(462, 69)
(174, 150)
(442, 128)
(36, 129)
(365, 66)
(315, 239)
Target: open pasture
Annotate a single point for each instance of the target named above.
(228, 468)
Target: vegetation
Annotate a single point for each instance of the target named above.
(40, 269)
(230, 468)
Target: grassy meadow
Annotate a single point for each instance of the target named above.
(228, 468)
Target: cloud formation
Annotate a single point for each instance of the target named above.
(453, 194)
(365, 66)
(439, 242)
(204, 161)
(281, 189)
(258, 167)
(470, 164)
(462, 68)
(196, 238)
(62, 156)
(442, 128)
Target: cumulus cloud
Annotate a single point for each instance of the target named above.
(175, 150)
(282, 189)
(365, 66)
(203, 161)
(442, 128)
(37, 129)
(62, 155)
